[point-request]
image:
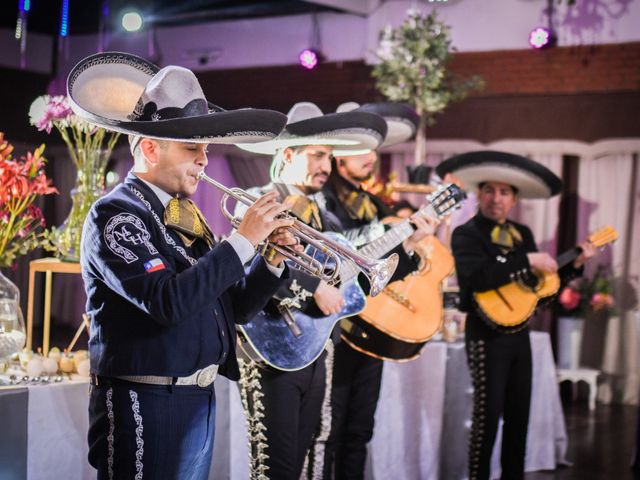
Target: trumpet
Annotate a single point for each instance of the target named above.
(378, 272)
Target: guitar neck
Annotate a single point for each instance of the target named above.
(569, 256)
(387, 242)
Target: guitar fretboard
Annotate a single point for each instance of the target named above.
(378, 247)
(568, 256)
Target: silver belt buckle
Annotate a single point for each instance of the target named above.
(206, 376)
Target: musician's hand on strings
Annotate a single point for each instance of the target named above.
(588, 250)
(260, 219)
(425, 226)
(543, 262)
(328, 298)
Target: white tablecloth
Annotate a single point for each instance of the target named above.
(424, 415)
(422, 422)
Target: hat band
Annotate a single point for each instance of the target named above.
(148, 112)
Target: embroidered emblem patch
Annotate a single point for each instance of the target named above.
(300, 295)
(154, 265)
(126, 230)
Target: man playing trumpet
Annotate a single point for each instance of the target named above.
(162, 294)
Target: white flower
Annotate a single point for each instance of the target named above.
(38, 109)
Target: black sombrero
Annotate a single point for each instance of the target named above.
(530, 178)
(402, 122)
(127, 94)
(307, 125)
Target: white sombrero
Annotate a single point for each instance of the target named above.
(127, 94)
(402, 123)
(531, 179)
(307, 125)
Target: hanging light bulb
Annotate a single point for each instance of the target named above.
(309, 58)
(542, 37)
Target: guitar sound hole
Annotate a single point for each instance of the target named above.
(531, 281)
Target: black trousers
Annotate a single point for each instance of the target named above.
(354, 397)
(292, 403)
(500, 367)
(138, 430)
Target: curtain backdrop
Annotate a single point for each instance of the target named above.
(609, 192)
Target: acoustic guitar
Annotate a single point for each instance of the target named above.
(408, 312)
(287, 338)
(512, 304)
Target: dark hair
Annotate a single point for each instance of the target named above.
(400, 204)
(515, 189)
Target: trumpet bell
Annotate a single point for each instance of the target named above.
(381, 272)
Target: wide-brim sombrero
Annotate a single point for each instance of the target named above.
(128, 94)
(307, 125)
(531, 179)
(402, 122)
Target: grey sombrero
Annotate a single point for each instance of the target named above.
(307, 125)
(402, 123)
(532, 179)
(125, 93)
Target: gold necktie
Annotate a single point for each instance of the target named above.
(506, 236)
(183, 216)
(306, 210)
(360, 206)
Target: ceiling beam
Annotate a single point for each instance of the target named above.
(359, 7)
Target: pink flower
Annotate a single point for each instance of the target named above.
(600, 301)
(569, 298)
(45, 111)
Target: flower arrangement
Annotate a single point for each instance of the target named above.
(48, 112)
(413, 68)
(21, 182)
(90, 154)
(583, 295)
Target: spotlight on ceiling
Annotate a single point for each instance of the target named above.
(541, 38)
(131, 21)
(309, 58)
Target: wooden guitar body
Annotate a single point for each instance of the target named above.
(398, 322)
(512, 304)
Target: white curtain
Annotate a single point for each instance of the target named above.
(609, 195)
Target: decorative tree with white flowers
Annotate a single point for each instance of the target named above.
(413, 68)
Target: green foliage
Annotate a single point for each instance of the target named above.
(413, 65)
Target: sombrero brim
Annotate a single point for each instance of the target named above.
(357, 130)
(530, 178)
(103, 89)
(402, 124)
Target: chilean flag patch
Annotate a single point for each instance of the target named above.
(153, 265)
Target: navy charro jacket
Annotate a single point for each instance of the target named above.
(156, 306)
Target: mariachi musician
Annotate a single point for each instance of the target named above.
(291, 397)
(356, 376)
(490, 251)
(163, 294)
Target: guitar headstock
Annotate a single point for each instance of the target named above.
(602, 236)
(446, 199)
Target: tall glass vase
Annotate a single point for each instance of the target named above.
(89, 187)
(12, 332)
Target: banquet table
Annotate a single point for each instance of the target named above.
(422, 423)
(424, 416)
